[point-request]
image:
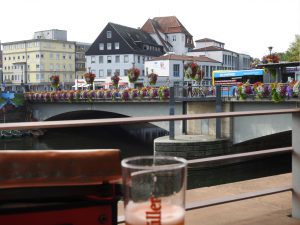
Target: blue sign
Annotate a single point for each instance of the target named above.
(238, 73)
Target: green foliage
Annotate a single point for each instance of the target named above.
(19, 99)
(293, 53)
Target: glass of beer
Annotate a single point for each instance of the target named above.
(154, 190)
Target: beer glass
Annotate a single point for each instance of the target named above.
(154, 190)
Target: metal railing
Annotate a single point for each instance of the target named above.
(295, 149)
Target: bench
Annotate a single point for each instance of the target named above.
(59, 187)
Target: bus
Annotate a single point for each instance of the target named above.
(229, 79)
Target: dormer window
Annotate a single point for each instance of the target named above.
(108, 34)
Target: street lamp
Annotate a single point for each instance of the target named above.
(270, 49)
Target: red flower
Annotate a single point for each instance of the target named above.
(133, 74)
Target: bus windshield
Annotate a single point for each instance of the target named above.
(229, 79)
(236, 76)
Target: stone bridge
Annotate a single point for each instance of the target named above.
(238, 129)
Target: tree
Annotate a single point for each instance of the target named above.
(293, 53)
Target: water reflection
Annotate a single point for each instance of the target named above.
(104, 137)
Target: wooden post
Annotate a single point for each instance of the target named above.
(296, 165)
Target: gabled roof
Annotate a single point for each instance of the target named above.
(168, 24)
(165, 25)
(132, 35)
(211, 48)
(208, 40)
(134, 41)
(185, 58)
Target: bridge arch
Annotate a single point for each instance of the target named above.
(50, 111)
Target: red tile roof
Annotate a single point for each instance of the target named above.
(168, 24)
(185, 58)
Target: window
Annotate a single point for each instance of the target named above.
(117, 45)
(126, 59)
(42, 56)
(51, 55)
(101, 73)
(117, 59)
(117, 71)
(42, 77)
(64, 56)
(100, 59)
(125, 72)
(108, 34)
(57, 55)
(108, 46)
(70, 56)
(109, 72)
(37, 66)
(176, 68)
(37, 76)
(139, 59)
(93, 59)
(174, 38)
(51, 67)
(101, 46)
(108, 59)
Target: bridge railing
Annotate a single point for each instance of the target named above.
(295, 149)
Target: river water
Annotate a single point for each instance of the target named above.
(114, 137)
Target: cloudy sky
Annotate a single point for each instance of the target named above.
(245, 26)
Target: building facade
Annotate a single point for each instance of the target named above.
(215, 50)
(170, 33)
(80, 61)
(170, 68)
(29, 64)
(118, 48)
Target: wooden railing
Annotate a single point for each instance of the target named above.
(295, 149)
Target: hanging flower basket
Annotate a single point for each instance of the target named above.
(54, 79)
(152, 78)
(190, 70)
(115, 80)
(89, 78)
(271, 58)
(133, 74)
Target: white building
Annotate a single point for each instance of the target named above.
(215, 50)
(54, 34)
(170, 68)
(170, 33)
(118, 48)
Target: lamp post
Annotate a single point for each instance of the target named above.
(270, 49)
